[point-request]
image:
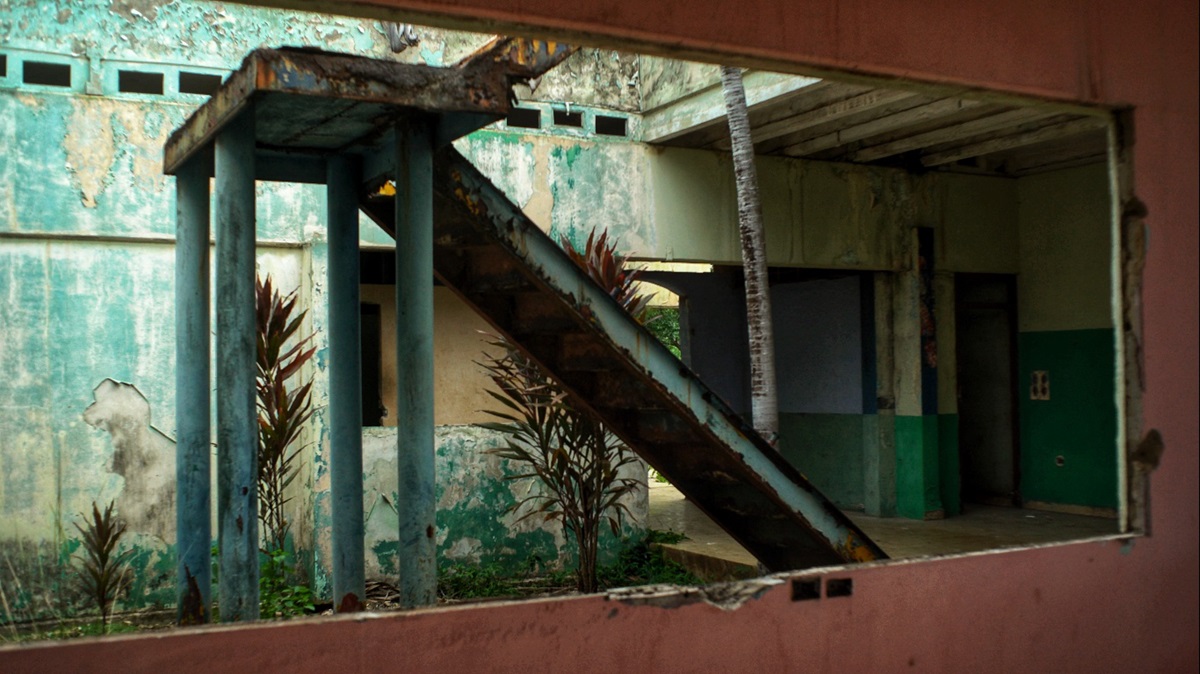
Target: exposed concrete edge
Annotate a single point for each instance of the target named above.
(725, 596)
(708, 567)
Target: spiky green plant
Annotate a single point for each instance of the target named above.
(282, 409)
(572, 454)
(103, 573)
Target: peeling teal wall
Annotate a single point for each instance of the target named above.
(87, 266)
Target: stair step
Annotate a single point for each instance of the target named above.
(512, 274)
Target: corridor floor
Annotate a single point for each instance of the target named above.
(714, 555)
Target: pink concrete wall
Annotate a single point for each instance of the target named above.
(1085, 607)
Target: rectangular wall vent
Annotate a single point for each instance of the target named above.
(611, 126)
(135, 82)
(524, 118)
(198, 83)
(46, 74)
(564, 118)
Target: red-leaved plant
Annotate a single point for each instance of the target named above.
(576, 458)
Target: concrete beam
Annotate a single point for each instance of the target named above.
(705, 109)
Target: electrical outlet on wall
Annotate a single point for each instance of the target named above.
(1039, 387)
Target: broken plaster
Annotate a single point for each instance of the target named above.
(725, 596)
(142, 455)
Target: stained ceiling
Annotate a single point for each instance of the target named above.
(835, 121)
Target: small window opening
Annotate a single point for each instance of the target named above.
(804, 589)
(524, 118)
(839, 587)
(198, 83)
(134, 82)
(610, 126)
(48, 74)
(3, 65)
(564, 118)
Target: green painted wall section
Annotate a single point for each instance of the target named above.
(1065, 321)
(918, 463)
(828, 450)
(476, 522)
(1077, 423)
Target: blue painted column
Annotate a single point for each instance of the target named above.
(237, 426)
(343, 178)
(193, 512)
(414, 360)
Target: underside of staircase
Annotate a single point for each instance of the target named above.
(502, 265)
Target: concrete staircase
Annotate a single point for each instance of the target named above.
(502, 265)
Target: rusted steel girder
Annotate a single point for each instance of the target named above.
(508, 270)
(320, 103)
(520, 58)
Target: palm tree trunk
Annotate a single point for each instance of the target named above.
(764, 401)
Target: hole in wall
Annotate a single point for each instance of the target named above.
(134, 82)
(198, 83)
(839, 587)
(3, 65)
(524, 118)
(47, 74)
(804, 589)
(564, 118)
(611, 126)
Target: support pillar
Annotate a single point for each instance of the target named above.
(949, 471)
(193, 513)
(915, 356)
(879, 404)
(345, 384)
(237, 425)
(414, 359)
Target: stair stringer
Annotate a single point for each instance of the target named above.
(502, 265)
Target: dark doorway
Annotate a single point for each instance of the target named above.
(987, 410)
(372, 400)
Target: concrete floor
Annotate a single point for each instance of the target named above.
(714, 555)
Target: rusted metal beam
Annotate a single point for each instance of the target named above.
(518, 57)
(344, 97)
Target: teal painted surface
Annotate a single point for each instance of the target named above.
(414, 364)
(87, 291)
(950, 480)
(918, 490)
(828, 449)
(1077, 423)
(568, 186)
(474, 522)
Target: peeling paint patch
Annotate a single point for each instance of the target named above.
(90, 149)
(141, 454)
(137, 9)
